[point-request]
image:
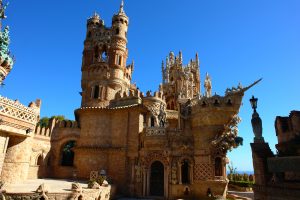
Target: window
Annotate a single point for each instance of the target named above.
(218, 166)
(68, 154)
(152, 120)
(96, 92)
(185, 172)
(117, 31)
(96, 53)
(120, 60)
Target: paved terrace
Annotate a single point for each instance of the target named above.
(53, 186)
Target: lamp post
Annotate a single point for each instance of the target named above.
(256, 122)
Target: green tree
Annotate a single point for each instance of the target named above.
(232, 171)
(44, 121)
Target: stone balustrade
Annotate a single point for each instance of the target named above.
(155, 131)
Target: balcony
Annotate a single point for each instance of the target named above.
(155, 131)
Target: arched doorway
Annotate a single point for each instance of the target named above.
(68, 154)
(157, 179)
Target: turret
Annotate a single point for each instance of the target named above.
(104, 69)
(118, 53)
(180, 81)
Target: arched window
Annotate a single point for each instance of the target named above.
(68, 154)
(120, 60)
(218, 166)
(185, 179)
(96, 92)
(96, 53)
(152, 121)
(117, 31)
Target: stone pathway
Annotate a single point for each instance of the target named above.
(248, 195)
(54, 186)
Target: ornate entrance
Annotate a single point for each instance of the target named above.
(157, 179)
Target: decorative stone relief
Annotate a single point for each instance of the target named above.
(202, 171)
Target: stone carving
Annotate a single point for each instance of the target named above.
(155, 131)
(162, 116)
(2, 10)
(229, 138)
(42, 190)
(76, 187)
(202, 171)
(16, 110)
(207, 85)
(174, 173)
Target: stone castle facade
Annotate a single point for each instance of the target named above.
(171, 143)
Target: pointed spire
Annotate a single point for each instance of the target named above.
(121, 7)
(197, 60)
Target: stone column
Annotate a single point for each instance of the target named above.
(3, 145)
(191, 174)
(144, 181)
(166, 180)
(179, 173)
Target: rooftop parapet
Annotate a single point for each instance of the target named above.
(17, 118)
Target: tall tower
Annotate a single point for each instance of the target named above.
(104, 69)
(6, 60)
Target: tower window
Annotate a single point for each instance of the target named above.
(89, 34)
(117, 31)
(118, 60)
(96, 92)
(152, 121)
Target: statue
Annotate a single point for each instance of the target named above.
(4, 40)
(2, 10)
(257, 127)
(207, 85)
(162, 116)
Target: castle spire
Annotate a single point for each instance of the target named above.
(122, 7)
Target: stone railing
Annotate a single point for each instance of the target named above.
(155, 131)
(16, 110)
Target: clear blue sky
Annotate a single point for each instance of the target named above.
(237, 41)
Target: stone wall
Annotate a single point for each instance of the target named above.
(3, 146)
(17, 158)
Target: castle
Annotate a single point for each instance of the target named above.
(171, 143)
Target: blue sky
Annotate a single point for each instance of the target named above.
(237, 41)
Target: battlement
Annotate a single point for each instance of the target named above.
(156, 95)
(54, 123)
(126, 99)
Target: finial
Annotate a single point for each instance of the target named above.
(122, 7)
